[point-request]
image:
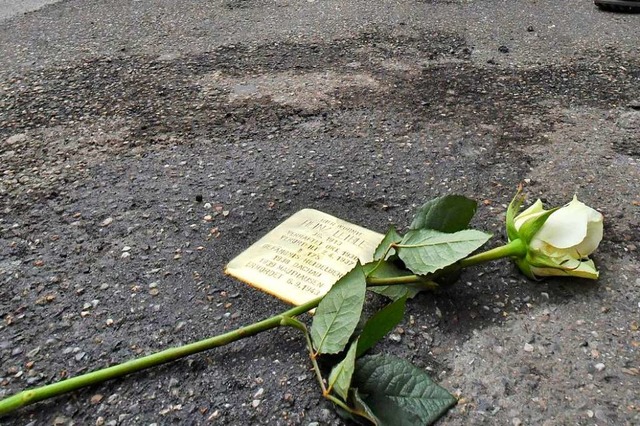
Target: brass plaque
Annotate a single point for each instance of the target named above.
(304, 256)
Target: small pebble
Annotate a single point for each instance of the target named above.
(33, 352)
(60, 420)
(394, 337)
(600, 366)
(325, 415)
(17, 138)
(600, 415)
(96, 399)
(528, 347)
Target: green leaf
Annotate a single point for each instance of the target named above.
(391, 237)
(363, 409)
(384, 269)
(450, 213)
(380, 324)
(387, 269)
(338, 313)
(397, 292)
(425, 251)
(340, 377)
(398, 393)
(512, 212)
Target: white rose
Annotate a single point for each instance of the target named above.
(562, 244)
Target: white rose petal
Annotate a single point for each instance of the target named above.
(567, 237)
(568, 228)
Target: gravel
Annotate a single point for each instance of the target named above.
(144, 144)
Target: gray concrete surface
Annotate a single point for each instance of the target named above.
(117, 116)
(11, 8)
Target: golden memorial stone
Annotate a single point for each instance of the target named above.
(300, 259)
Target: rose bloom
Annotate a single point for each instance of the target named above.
(562, 246)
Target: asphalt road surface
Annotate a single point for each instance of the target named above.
(143, 144)
(11, 8)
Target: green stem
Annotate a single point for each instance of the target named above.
(31, 396)
(341, 404)
(21, 399)
(300, 326)
(515, 248)
(405, 279)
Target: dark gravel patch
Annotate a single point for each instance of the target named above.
(129, 181)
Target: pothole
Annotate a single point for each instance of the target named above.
(308, 91)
